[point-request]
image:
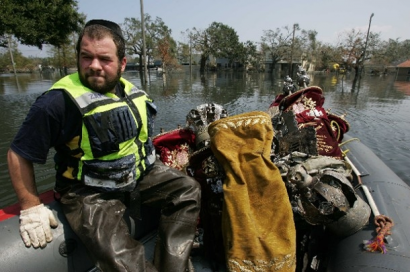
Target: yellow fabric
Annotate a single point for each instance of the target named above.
(257, 220)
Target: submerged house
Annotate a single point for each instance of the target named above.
(403, 71)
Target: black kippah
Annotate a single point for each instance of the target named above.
(107, 24)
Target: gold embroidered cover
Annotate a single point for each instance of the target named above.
(257, 220)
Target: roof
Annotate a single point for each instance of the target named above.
(404, 64)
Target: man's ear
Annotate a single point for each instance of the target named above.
(123, 64)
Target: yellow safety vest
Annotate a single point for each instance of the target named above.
(114, 132)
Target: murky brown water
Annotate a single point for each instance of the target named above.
(378, 109)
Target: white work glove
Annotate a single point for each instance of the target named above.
(35, 225)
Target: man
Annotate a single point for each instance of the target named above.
(100, 126)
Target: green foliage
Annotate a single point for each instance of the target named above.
(155, 31)
(218, 40)
(276, 44)
(355, 47)
(36, 22)
(5, 60)
(223, 40)
(63, 56)
(309, 45)
(392, 52)
(327, 57)
(22, 63)
(183, 52)
(249, 56)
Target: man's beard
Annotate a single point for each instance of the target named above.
(101, 88)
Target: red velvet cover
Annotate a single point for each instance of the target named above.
(174, 147)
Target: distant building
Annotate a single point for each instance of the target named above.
(282, 66)
(194, 58)
(403, 71)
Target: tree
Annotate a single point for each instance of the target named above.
(154, 32)
(310, 46)
(63, 56)
(392, 52)
(201, 44)
(186, 50)
(325, 56)
(218, 40)
(166, 52)
(276, 44)
(248, 55)
(224, 40)
(21, 62)
(39, 22)
(183, 52)
(351, 48)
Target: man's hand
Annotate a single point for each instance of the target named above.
(35, 225)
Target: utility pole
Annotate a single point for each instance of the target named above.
(367, 38)
(11, 55)
(291, 50)
(144, 50)
(190, 52)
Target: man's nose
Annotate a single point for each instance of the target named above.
(95, 64)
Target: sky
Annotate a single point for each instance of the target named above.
(249, 18)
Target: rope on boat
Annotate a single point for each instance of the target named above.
(382, 222)
(384, 225)
(344, 152)
(348, 141)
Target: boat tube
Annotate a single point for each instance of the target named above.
(389, 196)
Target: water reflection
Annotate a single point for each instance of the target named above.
(377, 108)
(402, 86)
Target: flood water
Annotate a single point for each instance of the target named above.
(377, 109)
